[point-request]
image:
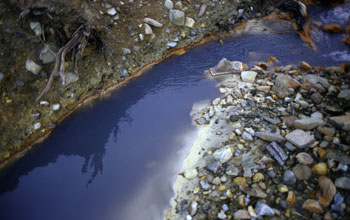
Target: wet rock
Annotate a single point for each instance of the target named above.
(327, 187)
(215, 166)
(302, 172)
(320, 168)
(342, 122)
(31, 66)
(312, 206)
(316, 82)
(223, 154)
(283, 84)
(48, 53)
(148, 29)
(277, 153)
(327, 131)
(169, 4)
(308, 123)
(248, 76)
(226, 67)
(241, 214)
(289, 146)
(262, 209)
(317, 98)
(333, 28)
(304, 158)
(192, 208)
(190, 173)
(288, 177)
(177, 17)
(343, 183)
(246, 136)
(189, 22)
(300, 138)
(36, 27)
(153, 22)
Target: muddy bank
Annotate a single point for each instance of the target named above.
(25, 121)
(275, 145)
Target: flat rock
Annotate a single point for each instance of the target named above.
(328, 188)
(343, 183)
(177, 17)
(300, 138)
(308, 123)
(241, 214)
(304, 158)
(312, 81)
(248, 76)
(267, 136)
(342, 122)
(302, 172)
(226, 67)
(152, 22)
(262, 209)
(312, 206)
(289, 120)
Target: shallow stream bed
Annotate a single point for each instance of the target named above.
(118, 158)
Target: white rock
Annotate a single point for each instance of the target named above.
(111, 11)
(153, 22)
(141, 37)
(248, 76)
(190, 173)
(37, 126)
(31, 66)
(148, 29)
(223, 154)
(171, 44)
(56, 107)
(169, 4)
(36, 27)
(189, 22)
(177, 17)
(44, 103)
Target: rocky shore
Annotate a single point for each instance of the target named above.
(275, 145)
(139, 33)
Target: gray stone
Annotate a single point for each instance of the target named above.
(304, 158)
(2, 76)
(300, 138)
(177, 17)
(19, 83)
(308, 123)
(317, 98)
(313, 81)
(126, 51)
(124, 73)
(241, 214)
(153, 22)
(148, 29)
(344, 94)
(70, 78)
(222, 215)
(262, 208)
(288, 177)
(302, 172)
(205, 185)
(111, 11)
(36, 27)
(215, 166)
(246, 136)
(232, 171)
(56, 107)
(226, 67)
(343, 183)
(342, 122)
(267, 136)
(169, 4)
(285, 85)
(289, 146)
(277, 153)
(223, 154)
(31, 66)
(248, 76)
(48, 53)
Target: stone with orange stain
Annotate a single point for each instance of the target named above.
(322, 152)
(332, 28)
(346, 40)
(291, 198)
(328, 188)
(312, 206)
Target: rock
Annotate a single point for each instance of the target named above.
(232, 171)
(111, 11)
(257, 177)
(302, 172)
(248, 76)
(300, 138)
(265, 89)
(190, 173)
(241, 214)
(305, 66)
(192, 208)
(277, 153)
(289, 146)
(333, 28)
(317, 98)
(312, 206)
(304, 158)
(288, 177)
(222, 215)
(342, 122)
(344, 94)
(169, 4)
(171, 44)
(346, 40)
(308, 123)
(36, 27)
(215, 166)
(343, 183)
(31, 66)
(283, 84)
(327, 131)
(19, 83)
(152, 22)
(246, 136)
(189, 22)
(124, 73)
(223, 154)
(226, 67)
(240, 181)
(177, 17)
(327, 187)
(282, 188)
(316, 82)
(291, 198)
(267, 136)
(126, 51)
(70, 78)
(289, 120)
(148, 29)
(2, 76)
(320, 168)
(205, 185)
(48, 53)
(263, 209)
(56, 107)
(37, 126)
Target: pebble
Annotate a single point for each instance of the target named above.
(343, 183)
(189, 22)
(169, 4)
(190, 173)
(37, 125)
(171, 44)
(300, 138)
(246, 136)
(36, 27)
(215, 166)
(262, 209)
(304, 158)
(248, 76)
(267, 136)
(308, 123)
(222, 215)
(291, 198)
(56, 107)
(328, 188)
(312, 206)
(205, 185)
(2, 76)
(277, 153)
(19, 83)
(153, 22)
(302, 172)
(111, 11)
(193, 207)
(289, 146)
(31, 66)
(48, 53)
(177, 17)
(232, 171)
(288, 177)
(241, 214)
(223, 154)
(342, 122)
(320, 168)
(148, 29)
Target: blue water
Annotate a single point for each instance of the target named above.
(115, 159)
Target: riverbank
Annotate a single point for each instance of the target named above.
(137, 45)
(276, 144)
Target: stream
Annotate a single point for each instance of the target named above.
(118, 158)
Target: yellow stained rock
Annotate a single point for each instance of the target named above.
(257, 177)
(282, 188)
(229, 194)
(196, 190)
(241, 181)
(291, 198)
(320, 168)
(222, 188)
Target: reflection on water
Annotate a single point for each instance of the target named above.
(105, 161)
